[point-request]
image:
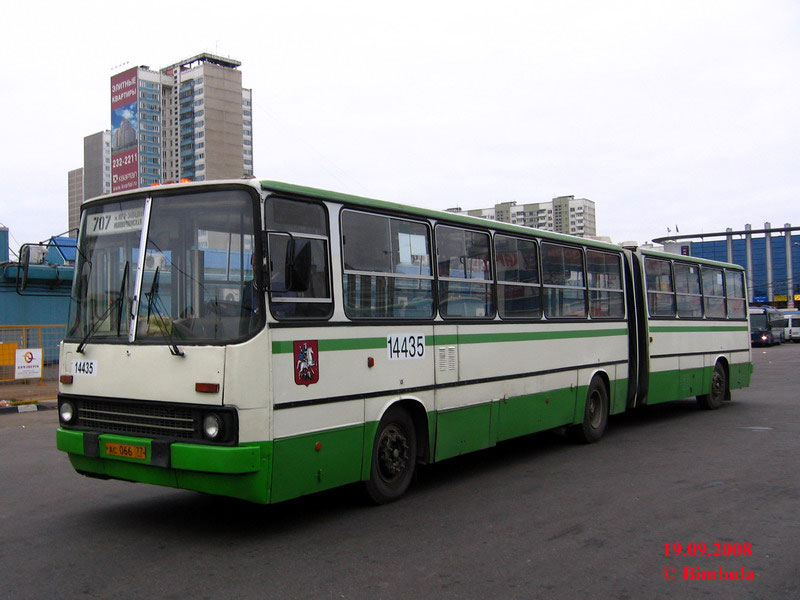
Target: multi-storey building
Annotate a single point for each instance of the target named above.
(74, 198)
(190, 120)
(97, 164)
(94, 179)
(565, 214)
(770, 256)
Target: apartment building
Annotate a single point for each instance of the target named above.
(564, 214)
(189, 120)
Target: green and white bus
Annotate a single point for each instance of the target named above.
(263, 340)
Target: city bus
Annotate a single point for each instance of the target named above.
(263, 340)
(767, 326)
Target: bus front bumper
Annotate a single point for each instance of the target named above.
(241, 471)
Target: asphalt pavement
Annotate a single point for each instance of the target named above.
(537, 517)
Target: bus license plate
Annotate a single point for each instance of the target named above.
(126, 451)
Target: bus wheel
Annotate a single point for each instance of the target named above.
(394, 457)
(719, 388)
(595, 414)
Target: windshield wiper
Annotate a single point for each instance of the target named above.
(121, 292)
(119, 301)
(152, 304)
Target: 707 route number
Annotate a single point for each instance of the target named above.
(402, 347)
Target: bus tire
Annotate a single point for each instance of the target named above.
(394, 457)
(719, 389)
(595, 414)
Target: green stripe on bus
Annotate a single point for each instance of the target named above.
(334, 345)
(452, 339)
(703, 329)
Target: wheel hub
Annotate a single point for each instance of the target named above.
(595, 410)
(392, 453)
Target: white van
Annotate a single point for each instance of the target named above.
(792, 330)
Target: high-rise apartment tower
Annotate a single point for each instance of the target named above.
(190, 120)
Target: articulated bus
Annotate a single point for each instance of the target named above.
(262, 340)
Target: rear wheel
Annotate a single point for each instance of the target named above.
(719, 389)
(394, 457)
(595, 414)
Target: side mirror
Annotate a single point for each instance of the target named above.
(31, 254)
(24, 262)
(55, 276)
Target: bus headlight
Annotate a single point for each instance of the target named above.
(212, 426)
(66, 411)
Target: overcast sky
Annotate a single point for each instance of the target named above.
(666, 113)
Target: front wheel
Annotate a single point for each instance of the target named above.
(595, 415)
(719, 388)
(394, 457)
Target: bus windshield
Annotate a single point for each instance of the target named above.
(758, 322)
(198, 283)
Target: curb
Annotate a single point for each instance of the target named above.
(20, 406)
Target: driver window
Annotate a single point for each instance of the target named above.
(298, 232)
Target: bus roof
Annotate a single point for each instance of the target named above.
(762, 308)
(348, 199)
(352, 200)
(277, 186)
(694, 259)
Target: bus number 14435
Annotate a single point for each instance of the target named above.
(402, 347)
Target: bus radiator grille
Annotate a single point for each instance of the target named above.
(140, 419)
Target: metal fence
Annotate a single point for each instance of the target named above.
(18, 343)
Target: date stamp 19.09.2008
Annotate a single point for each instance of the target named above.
(714, 549)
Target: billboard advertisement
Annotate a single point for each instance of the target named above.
(124, 128)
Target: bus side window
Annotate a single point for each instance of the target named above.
(519, 293)
(307, 223)
(564, 282)
(687, 288)
(660, 296)
(387, 267)
(465, 288)
(734, 288)
(713, 293)
(606, 298)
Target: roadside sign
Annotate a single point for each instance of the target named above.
(28, 363)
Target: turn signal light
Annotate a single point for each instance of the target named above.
(206, 388)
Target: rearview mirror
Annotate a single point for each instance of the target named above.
(33, 257)
(24, 262)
